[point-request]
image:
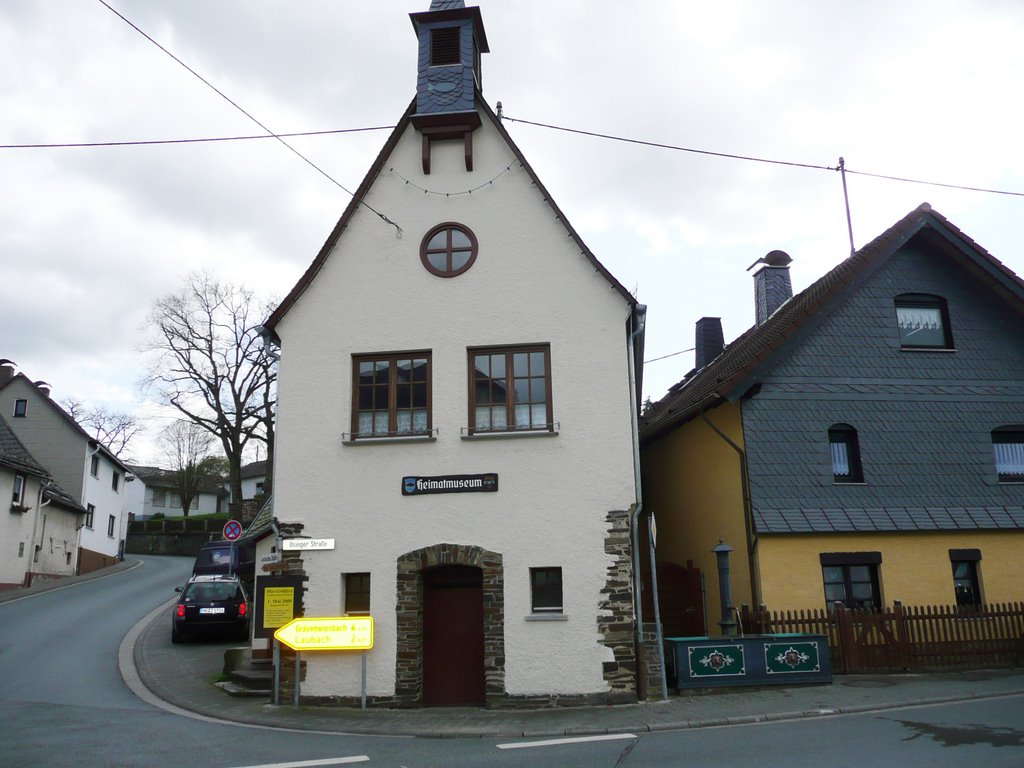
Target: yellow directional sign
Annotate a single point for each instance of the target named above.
(342, 633)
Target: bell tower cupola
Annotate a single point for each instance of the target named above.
(451, 41)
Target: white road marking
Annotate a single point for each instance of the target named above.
(308, 763)
(573, 740)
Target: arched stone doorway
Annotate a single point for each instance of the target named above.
(429, 570)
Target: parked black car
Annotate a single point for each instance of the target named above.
(211, 605)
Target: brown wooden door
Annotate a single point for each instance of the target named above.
(453, 636)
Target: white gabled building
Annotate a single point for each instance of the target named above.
(38, 539)
(456, 412)
(82, 466)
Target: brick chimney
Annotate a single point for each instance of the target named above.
(710, 341)
(772, 286)
(7, 370)
(43, 387)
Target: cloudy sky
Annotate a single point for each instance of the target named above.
(89, 238)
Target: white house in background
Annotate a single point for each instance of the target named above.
(253, 476)
(39, 536)
(456, 418)
(151, 491)
(83, 467)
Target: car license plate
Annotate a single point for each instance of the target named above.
(211, 610)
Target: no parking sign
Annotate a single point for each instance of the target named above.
(232, 530)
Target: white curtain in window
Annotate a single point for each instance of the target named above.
(840, 459)
(1009, 458)
(917, 318)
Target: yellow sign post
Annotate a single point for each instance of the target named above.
(342, 633)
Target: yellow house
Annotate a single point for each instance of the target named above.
(863, 442)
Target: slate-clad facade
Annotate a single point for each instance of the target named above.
(928, 487)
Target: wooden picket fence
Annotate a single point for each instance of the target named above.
(906, 638)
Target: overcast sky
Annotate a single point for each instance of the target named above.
(89, 238)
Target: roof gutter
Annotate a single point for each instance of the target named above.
(639, 324)
(748, 514)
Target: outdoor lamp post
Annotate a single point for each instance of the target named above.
(728, 622)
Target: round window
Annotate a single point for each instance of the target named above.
(448, 250)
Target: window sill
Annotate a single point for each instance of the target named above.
(843, 482)
(391, 439)
(928, 349)
(514, 433)
(547, 617)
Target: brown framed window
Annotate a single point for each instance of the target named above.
(448, 249)
(444, 46)
(546, 590)
(923, 321)
(845, 450)
(1008, 447)
(851, 578)
(357, 593)
(20, 408)
(391, 394)
(966, 585)
(510, 389)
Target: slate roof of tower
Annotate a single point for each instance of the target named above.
(739, 366)
(446, 5)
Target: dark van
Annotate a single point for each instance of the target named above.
(224, 558)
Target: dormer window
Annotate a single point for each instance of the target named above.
(923, 322)
(445, 48)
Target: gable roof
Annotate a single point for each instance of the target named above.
(744, 361)
(155, 477)
(378, 164)
(15, 455)
(66, 417)
(253, 469)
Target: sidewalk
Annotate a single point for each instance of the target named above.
(183, 676)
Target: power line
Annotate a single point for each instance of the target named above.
(665, 357)
(233, 103)
(670, 146)
(754, 159)
(151, 142)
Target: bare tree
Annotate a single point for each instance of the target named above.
(187, 448)
(115, 429)
(207, 360)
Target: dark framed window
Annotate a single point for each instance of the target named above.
(94, 466)
(90, 513)
(115, 481)
(445, 48)
(851, 578)
(110, 525)
(357, 593)
(20, 408)
(19, 490)
(448, 249)
(845, 450)
(966, 585)
(510, 389)
(923, 322)
(546, 590)
(1008, 448)
(391, 395)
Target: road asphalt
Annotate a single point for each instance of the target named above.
(183, 679)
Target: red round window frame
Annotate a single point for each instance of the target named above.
(448, 226)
